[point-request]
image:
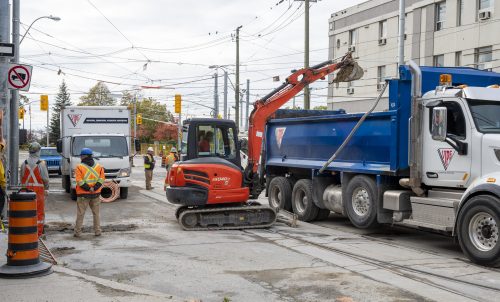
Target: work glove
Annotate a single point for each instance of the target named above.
(97, 186)
(86, 187)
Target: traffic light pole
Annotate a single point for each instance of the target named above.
(48, 126)
(14, 102)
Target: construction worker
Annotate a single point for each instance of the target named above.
(35, 177)
(89, 180)
(170, 160)
(149, 165)
(3, 183)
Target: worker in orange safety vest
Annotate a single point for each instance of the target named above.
(89, 177)
(35, 177)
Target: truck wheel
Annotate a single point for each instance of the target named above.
(322, 214)
(280, 193)
(302, 200)
(67, 183)
(361, 202)
(478, 226)
(73, 194)
(123, 193)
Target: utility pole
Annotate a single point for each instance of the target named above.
(14, 102)
(237, 85)
(216, 94)
(307, 100)
(248, 104)
(225, 94)
(401, 39)
(48, 130)
(4, 67)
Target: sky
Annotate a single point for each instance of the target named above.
(130, 44)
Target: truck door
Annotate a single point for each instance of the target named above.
(442, 165)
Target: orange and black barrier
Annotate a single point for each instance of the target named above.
(23, 257)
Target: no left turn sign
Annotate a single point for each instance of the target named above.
(19, 77)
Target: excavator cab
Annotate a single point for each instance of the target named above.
(210, 138)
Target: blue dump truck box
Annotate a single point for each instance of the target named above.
(380, 146)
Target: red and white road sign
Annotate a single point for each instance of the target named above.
(19, 77)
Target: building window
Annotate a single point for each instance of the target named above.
(458, 58)
(352, 37)
(382, 29)
(381, 74)
(482, 57)
(440, 15)
(484, 4)
(338, 43)
(460, 12)
(439, 60)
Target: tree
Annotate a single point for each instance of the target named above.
(165, 132)
(127, 99)
(322, 107)
(99, 95)
(62, 100)
(151, 110)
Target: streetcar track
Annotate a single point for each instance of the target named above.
(397, 268)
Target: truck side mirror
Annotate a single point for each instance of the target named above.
(59, 146)
(439, 123)
(137, 145)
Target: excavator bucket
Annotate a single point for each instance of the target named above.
(348, 73)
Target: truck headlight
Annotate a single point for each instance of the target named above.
(497, 153)
(125, 172)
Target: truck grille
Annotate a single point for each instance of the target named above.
(52, 162)
(111, 173)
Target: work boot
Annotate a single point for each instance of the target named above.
(97, 234)
(77, 235)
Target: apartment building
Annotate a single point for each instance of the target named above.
(437, 33)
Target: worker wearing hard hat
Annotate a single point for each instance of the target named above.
(149, 165)
(170, 160)
(89, 177)
(35, 177)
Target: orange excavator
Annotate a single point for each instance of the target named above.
(209, 184)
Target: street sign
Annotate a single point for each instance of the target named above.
(19, 77)
(6, 50)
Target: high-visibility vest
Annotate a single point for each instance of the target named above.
(151, 160)
(32, 176)
(90, 176)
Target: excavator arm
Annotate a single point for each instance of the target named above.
(267, 106)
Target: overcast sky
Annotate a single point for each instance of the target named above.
(170, 44)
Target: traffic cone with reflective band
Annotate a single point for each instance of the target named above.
(23, 257)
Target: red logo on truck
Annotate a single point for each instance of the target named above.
(74, 118)
(446, 154)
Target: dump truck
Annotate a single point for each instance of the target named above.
(431, 161)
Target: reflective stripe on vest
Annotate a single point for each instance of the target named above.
(90, 171)
(29, 179)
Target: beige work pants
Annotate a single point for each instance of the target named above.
(149, 177)
(81, 204)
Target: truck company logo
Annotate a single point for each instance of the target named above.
(222, 179)
(74, 118)
(446, 154)
(279, 132)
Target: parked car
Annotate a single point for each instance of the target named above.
(52, 159)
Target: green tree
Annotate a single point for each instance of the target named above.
(322, 107)
(151, 110)
(62, 100)
(99, 95)
(127, 99)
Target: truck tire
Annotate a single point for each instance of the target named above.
(478, 225)
(322, 214)
(66, 183)
(123, 193)
(302, 200)
(73, 194)
(280, 193)
(361, 201)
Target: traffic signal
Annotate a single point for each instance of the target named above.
(44, 102)
(178, 101)
(138, 119)
(21, 113)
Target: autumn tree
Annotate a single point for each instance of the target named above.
(153, 114)
(62, 100)
(99, 95)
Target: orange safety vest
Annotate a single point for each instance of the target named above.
(88, 175)
(32, 180)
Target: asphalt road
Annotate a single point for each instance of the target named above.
(144, 247)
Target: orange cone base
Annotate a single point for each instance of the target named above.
(26, 271)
